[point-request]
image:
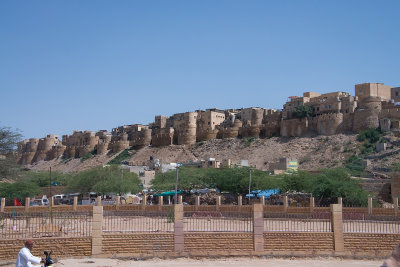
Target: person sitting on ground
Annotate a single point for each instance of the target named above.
(25, 257)
(394, 259)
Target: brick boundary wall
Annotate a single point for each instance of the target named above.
(181, 243)
(138, 244)
(62, 247)
(216, 243)
(370, 244)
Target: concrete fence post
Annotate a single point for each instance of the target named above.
(178, 228)
(117, 202)
(337, 227)
(160, 202)
(98, 202)
(197, 203)
(3, 204)
(258, 227)
(240, 200)
(262, 200)
(75, 206)
(52, 201)
(396, 205)
(285, 203)
(144, 202)
(340, 201)
(312, 204)
(27, 203)
(218, 203)
(370, 205)
(179, 199)
(97, 230)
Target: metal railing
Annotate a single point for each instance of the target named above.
(372, 224)
(45, 224)
(283, 222)
(138, 221)
(217, 221)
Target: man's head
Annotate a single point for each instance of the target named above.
(29, 244)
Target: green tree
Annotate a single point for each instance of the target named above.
(20, 190)
(234, 180)
(104, 180)
(302, 111)
(301, 181)
(8, 144)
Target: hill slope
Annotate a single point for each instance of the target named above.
(313, 153)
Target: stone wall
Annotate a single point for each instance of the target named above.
(218, 242)
(140, 243)
(294, 241)
(374, 244)
(62, 247)
(294, 127)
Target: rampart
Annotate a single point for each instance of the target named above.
(323, 114)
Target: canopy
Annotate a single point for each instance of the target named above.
(168, 193)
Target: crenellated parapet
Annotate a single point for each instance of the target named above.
(294, 127)
(367, 114)
(373, 105)
(207, 124)
(185, 128)
(251, 122)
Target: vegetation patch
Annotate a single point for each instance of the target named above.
(124, 155)
(248, 141)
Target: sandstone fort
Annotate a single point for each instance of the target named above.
(373, 105)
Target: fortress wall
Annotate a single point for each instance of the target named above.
(140, 139)
(367, 115)
(102, 148)
(294, 127)
(330, 124)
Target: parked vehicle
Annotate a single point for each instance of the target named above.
(48, 262)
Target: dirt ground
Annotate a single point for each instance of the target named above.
(226, 262)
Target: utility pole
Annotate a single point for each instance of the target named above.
(176, 186)
(249, 184)
(51, 200)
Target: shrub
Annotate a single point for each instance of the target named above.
(248, 141)
(302, 111)
(124, 155)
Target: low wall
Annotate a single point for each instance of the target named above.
(218, 243)
(140, 243)
(373, 244)
(62, 247)
(294, 241)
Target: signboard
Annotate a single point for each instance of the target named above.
(292, 166)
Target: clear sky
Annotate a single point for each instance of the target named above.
(92, 65)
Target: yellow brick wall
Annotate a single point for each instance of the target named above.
(298, 241)
(141, 243)
(62, 247)
(379, 244)
(218, 242)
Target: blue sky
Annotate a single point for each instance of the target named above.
(91, 65)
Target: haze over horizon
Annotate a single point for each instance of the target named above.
(95, 65)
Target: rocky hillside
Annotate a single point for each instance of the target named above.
(312, 152)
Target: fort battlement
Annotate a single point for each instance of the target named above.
(324, 114)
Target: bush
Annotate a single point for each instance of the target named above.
(302, 111)
(124, 155)
(372, 135)
(248, 141)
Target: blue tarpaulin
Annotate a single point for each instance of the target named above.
(265, 193)
(168, 193)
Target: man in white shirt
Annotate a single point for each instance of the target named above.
(25, 258)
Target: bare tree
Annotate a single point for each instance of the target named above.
(8, 157)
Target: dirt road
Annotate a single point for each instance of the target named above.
(227, 262)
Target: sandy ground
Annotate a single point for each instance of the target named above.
(239, 262)
(227, 262)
